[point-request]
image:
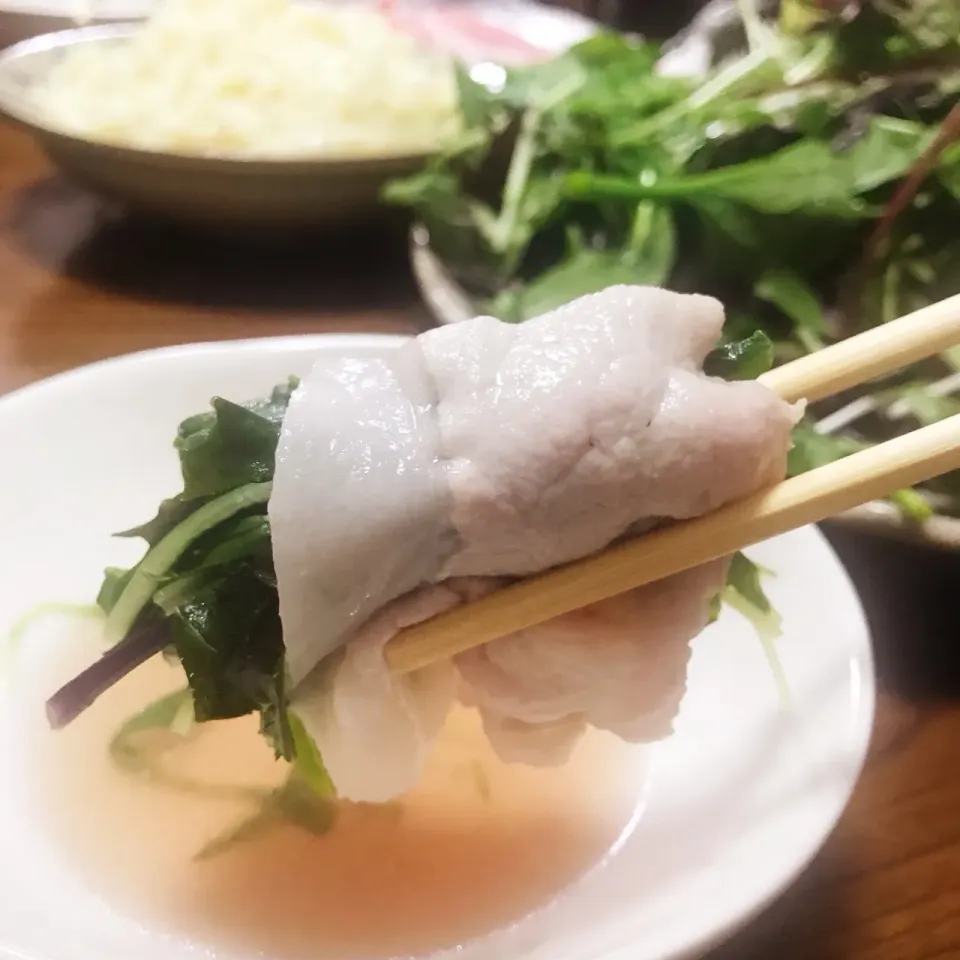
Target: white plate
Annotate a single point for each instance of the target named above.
(738, 800)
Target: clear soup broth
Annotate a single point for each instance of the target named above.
(477, 845)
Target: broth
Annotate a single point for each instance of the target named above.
(475, 846)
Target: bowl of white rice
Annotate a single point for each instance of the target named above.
(235, 112)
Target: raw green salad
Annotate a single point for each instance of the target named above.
(809, 179)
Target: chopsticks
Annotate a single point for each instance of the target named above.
(808, 498)
(875, 353)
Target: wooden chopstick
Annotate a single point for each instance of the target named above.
(867, 475)
(874, 353)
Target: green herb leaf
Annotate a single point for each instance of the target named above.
(160, 559)
(237, 539)
(932, 24)
(543, 85)
(918, 402)
(309, 764)
(172, 512)
(232, 446)
(810, 176)
(745, 578)
(433, 191)
(949, 176)
(171, 715)
(586, 271)
(270, 695)
(209, 573)
(912, 505)
(228, 638)
(477, 103)
(246, 831)
(115, 581)
(300, 804)
(652, 246)
(743, 359)
(787, 291)
(744, 593)
(812, 449)
(293, 803)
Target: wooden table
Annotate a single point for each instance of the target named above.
(77, 285)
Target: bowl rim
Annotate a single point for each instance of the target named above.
(14, 109)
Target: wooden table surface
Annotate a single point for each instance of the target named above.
(77, 285)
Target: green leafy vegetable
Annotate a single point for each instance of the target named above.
(170, 514)
(788, 292)
(912, 505)
(161, 558)
(744, 593)
(744, 359)
(208, 570)
(252, 828)
(812, 449)
(228, 447)
(140, 746)
(310, 767)
(810, 176)
(295, 803)
(115, 580)
(231, 447)
(138, 749)
(574, 277)
(228, 639)
(171, 715)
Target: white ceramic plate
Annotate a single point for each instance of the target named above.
(736, 802)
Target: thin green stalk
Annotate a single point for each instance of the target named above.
(160, 558)
(518, 174)
(739, 73)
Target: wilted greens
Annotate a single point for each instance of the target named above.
(205, 590)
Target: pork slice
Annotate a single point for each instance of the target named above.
(359, 512)
(619, 665)
(484, 451)
(373, 728)
(559, 435)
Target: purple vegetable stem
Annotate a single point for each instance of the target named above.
(79, 693)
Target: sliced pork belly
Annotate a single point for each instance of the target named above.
(359, 513)
(560, 434)
(492, 450)
(374, 729)
(620, 665)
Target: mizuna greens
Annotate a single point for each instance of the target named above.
(810, 180)
(205, 591)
